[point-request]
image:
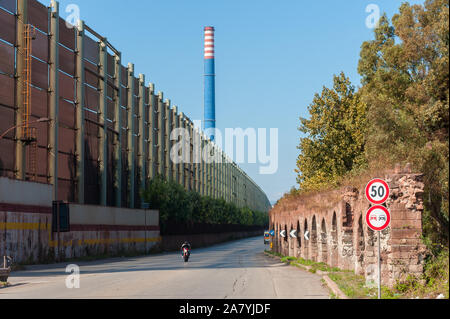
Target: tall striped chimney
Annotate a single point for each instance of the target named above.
(209, 123)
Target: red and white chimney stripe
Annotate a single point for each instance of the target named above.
(209, 43)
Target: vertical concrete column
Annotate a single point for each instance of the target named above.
(118, 124)
(161, 133)
(194, 158)
(197, 160)
(211, 170)
(219, 175)
(103, 129)
(241, 185)
(241, 188)
(167, 144)
(218, 166)
(205, 165)
(187, 157)
(235, 185)
(236, 172)
(222, 176)
(214, 172)
(207, 168)
(53, 98)
(226, 178)
(151, 132)
(191, 163)
(202, 165)
(142, 156)
(186, 153)
(181, 165)
(130, 132)
(80, 145)
(187, 165)
(22, 15)
(175, 123)
(230, 181)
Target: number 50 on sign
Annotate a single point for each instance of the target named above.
(377, 191)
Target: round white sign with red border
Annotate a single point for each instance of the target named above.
(378, 217)
(377, 191)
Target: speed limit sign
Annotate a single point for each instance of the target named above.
(378, 217)
(377, 191)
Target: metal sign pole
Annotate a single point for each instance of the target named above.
(379, 265)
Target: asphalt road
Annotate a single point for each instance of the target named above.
(237, 269)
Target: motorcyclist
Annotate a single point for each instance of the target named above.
(186, 245)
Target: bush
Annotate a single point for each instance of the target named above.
(176, 205)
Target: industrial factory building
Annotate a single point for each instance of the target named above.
(74, 117)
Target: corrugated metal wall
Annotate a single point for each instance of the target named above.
(138, 163)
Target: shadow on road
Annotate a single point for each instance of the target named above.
(220, 256)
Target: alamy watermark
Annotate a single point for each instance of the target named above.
(260, 149)
(73, 280)
(73, 16)
(373, 18)
(73, 11)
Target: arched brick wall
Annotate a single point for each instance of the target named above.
(340, 237)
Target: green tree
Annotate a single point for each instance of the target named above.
(177, 205)
(334, 142)
(405, 81)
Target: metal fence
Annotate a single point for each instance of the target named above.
(100, 131)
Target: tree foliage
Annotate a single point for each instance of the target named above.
(176, 205)
(406, 86)
(334, 142)
(399, 115)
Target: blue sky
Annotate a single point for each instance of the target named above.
(271, 57)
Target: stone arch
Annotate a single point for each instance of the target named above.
(291, 242)
(313, 238)
(277, 236)
(306, 245)
(346, 251)
(323, 242)
(334, 258)
(361, 245)
(370, 238)
(299, 238)
(348, 217)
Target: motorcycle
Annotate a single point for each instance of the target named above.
(186, 254)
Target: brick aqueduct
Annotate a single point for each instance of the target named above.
(340, 237)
